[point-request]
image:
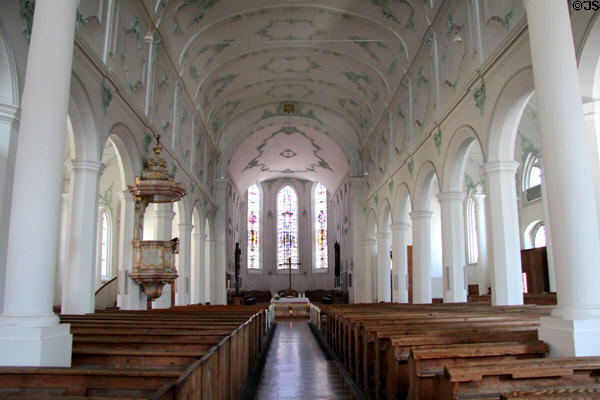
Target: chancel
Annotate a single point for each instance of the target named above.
(180, 177)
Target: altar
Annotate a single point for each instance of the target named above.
(290, 307)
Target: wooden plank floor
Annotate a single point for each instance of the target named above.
(296, 367)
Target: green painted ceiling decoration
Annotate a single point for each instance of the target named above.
(290, 64)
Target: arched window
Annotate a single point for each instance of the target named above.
(532, 172)
(539, 236)
(320, 202)
(472, 249)
(287, 227)
(105, 245)
(253, 227)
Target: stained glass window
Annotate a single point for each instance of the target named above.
(253, 227)
(320, 202)
(287, 227)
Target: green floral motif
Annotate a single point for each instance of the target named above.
(450, 24)
(411, 166)
(80, 20)
(451, 84)
(106, 97)
(421, 76)
(358, 79)
(27, 8)
(268, 66)
(366, 45)
(392, 67)
(429, 40)
(419, 124)
(221, 83)
(471, 185)
(506, 20)
(527, 147)
(105, 198)
(352, 108)
(134, 27)
(266, 30)
(376, 198)
(391, 186)
(437, 138)
(173, 170)
(164, 81)
(147, 141)
(224, 113)
(193, 72)
(400, 112)
(156, 43)
(479, 97)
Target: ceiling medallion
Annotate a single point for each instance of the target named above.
(289, 108)
(288, 153)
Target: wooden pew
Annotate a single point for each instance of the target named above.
(491, 380)
(427, 362)
(206, 351)
(571, 393)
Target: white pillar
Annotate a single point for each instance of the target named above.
(421, 273)
(503, 232)
(453, 246)
(400, 261)
(197, 267)
(370, 246)
(9, 124)
(30, 333)
(163, 217)
(591, 112)
(61, 256)
(547, 224)
(384, 289)
(219, 253)
(183, 261)
(79, 280)
(209, 251)
(131, 295)
(574, 327)
(483, 271)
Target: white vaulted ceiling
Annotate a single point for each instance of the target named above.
(338, 62)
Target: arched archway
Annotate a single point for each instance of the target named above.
(401, 242)
(370, 264)
(426, 236)
(197, 257)
(384, 248)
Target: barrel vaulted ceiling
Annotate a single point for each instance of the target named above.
(338, 63)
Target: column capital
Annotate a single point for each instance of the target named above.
(9, 113)
(449, 196)
(505, 167)
(369, 242)
(184, 227)
(199, 235)
(420, 214)
(399, 226)
(383, 235)
(479, 197)
(78, 165)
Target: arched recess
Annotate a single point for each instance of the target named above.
(426, 220)
(86, 141)
(130, 296)
(384, 247)
(462, 179)
(370, 264)
(499, 172)
(401, 240)
(197, 257)
(506, 115)
(181, 228)
(209, 254)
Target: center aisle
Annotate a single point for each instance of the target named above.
(296, 367)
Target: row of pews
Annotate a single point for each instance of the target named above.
(191, 352)
(452, 351)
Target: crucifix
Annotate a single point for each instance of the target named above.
(289, 263)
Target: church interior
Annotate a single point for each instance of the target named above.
(185, 183)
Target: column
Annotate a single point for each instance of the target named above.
(164, 223)
(183, 261)
(453, 246)
(9, 123)
(400, 261)
(131, 296)
(197, 270)
(483, 271)
(421, 222)
(79, 279)
(30, 333)
(574, 327)
(370, 249)
(219, 252)
(549, 254)
(209, 251)
(384, 289)
(503, 232)
(591, 112)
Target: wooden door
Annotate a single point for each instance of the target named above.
(534, 263)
